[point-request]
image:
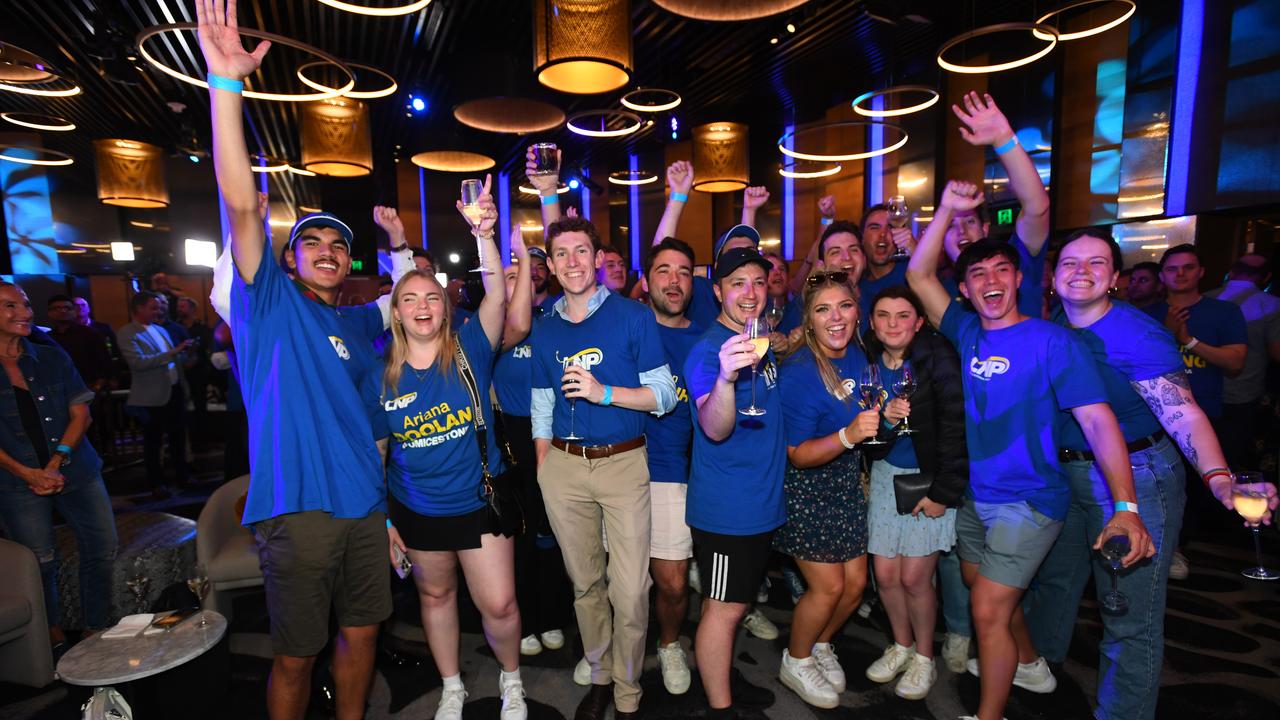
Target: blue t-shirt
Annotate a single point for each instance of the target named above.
(433, 463)
(459, 317)
(616, 343)
(1030, 291)
(1218, 323)
(513, 374)
(703, 306)
(810, 410)
(670, 436)
(1016, 380)
(868, 288)
(1129, 347)
(903, 452)
(735, 485)
(301, 364)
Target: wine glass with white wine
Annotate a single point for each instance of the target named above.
(471, 191)
(1249, 496)
(757, 330)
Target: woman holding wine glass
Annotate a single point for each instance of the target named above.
(826, 528)
(931, 457)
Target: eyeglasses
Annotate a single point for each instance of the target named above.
(835, 276)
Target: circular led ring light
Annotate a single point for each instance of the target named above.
(847, 156)
(356, 94)
(412, 7)
(634, 119)
(1047, 31)
(28, 90)
(530, 190)
(63, 158)
(896, 89)
(1063, 37)
(300, 171)
(151, 32)
(632, 177)
(788, 170)
(32, 120)
(630, 103)
(271, 166)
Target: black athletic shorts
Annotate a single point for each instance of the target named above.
(731, 566)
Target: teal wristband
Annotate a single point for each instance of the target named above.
(826, 220)
(1009, 145)
(64, 449)
(550, 199)
(217, 82)
(388, 523)
(679, 197)
(607, 400)
(1123, 506)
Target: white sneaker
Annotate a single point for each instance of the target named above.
(512, 693)
(894, 660)
(553, 639)
(675, 668)
(451, 700)
(955, 652)
(530, 646)
(804, 677)
(825, 656)
(760, 626)
(1179, 568)
(762, 594)
(1034, 676)
(919, 677)
(582, 673)
(695, 579)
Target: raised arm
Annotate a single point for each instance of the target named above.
(226, 57)
(922, 270)
(520, 305)
(986, 125)
(827, 212)
(548, 187)
(716, 413)
(753, 198)
(492, 312)
(1103, 433)
(680, 180)
(401, 256)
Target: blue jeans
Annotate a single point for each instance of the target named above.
(955, 594)
(1132, 646)
(28, 519)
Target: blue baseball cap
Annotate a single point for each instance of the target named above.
(745, 231)
(537, 251)
(321, 220)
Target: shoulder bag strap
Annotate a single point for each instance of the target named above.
(477, 415)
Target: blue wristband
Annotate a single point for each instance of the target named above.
(1123, 506)
(550, 199)
(679, 197)
(217, 82)
(64, 449)
(607, 400)
(826, 220)
(1009, 145)
(388, 523)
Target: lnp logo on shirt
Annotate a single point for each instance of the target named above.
(523, 352)
(585, 359)
(340, 347)
(401, 402)
(985, 369)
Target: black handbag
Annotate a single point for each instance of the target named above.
(501, 497)
(910, 489)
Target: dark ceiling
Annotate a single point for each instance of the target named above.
(457, 50)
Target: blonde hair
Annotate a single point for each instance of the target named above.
(398, 350)
(815, 284)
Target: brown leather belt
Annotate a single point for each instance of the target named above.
(1065, 456)
(595, 452)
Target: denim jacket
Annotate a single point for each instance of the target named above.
(56, 386)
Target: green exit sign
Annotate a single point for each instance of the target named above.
(359, 264)
(1004, 217)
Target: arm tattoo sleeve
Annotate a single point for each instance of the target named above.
(1167, 391)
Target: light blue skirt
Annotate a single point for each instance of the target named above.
(890, 534)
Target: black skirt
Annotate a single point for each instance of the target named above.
(439, 534)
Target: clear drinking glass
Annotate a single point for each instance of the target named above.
(198, 583)
(905, 387)
(757, 329)
(774, 314)
(138, 582)
(573, 402)
(1249, 497)
(471, 192)
(546, 160)
(899, 216)
(870, 387)
(1113, 550)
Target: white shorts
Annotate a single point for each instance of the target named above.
(670, 538)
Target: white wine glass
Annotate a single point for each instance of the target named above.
(198, 584)
(573, 402)
(1249, 498)
(870, 387)
(904, 386)
(899, 216)
(471, 191)
(757, 330)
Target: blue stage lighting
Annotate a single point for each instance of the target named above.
(573, 184)
(418, 104)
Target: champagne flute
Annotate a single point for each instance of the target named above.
(471, 191)
(198, 583)
(757, 329)
(870, 387)
(1113, 551)
(904, 387)
(573, 402)
(1249, 497)
(899, 216)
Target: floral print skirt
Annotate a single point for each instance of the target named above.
(826, 512)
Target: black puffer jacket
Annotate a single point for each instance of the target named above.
(937, 416)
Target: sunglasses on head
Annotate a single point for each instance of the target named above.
(836, 276)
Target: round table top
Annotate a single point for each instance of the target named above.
(106, 662)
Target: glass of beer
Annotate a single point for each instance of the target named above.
(546, 159)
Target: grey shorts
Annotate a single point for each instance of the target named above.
(1007, 541)
(312, 561)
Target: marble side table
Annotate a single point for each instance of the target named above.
(97, 662)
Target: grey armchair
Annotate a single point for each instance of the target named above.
(226, 547)
(25, 655)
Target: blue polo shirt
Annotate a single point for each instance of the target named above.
(1016, 380)
(735, 485)
(433, 463)
(810, 409)
(301, 363)
(670, 436)
(1212, 321)
(1129, 347)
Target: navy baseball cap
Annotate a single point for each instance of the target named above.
(536, 251)
(745, 231)
(321, 219)
(736, 258)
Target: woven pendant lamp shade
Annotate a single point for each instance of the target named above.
(336, 139)
(726, 10)
(720, 155)
(582, 46)
(130, 173)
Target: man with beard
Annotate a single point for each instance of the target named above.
(1145, 288)
(668, 279)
